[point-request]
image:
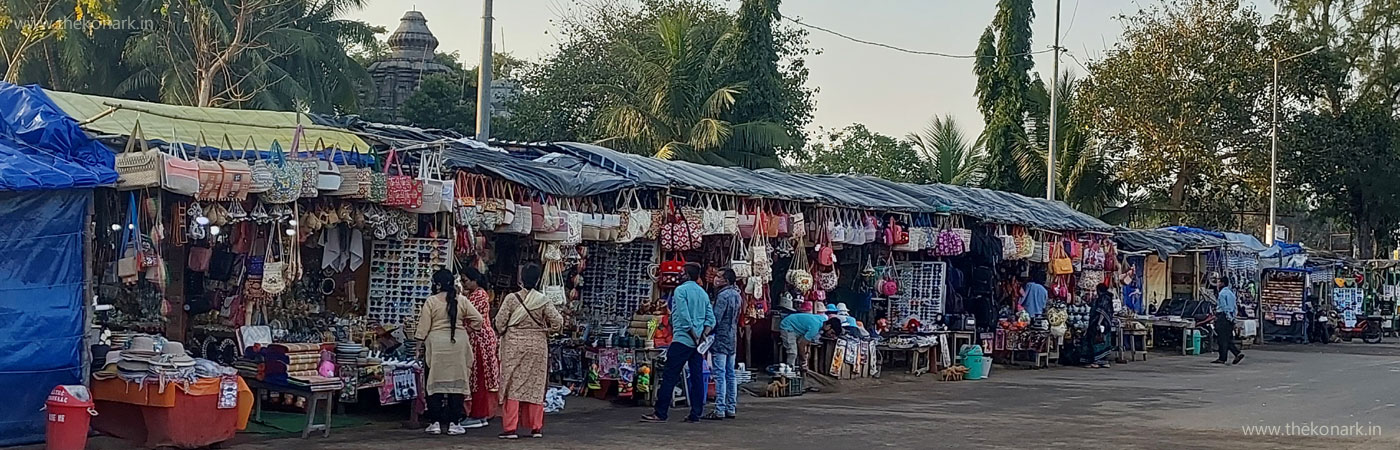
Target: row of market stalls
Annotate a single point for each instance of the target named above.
(250, 253)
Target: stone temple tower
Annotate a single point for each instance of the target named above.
(412, 46)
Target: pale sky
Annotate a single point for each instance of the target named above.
(889, 91)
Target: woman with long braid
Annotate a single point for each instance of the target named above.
(448, 351)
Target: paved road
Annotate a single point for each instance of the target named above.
(1167, 402)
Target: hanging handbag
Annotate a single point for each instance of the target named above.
(670, 272)
(798, 222)
(128, 262)
(403, 191)
(211, 173)
(308, 164)
(739, 259)
(639, 219)
(222, 264)
(237, 175)
(260, 178)
(199, 258)
(274, 280)
(1061, 264)
(138, 169)
(747, 221)
(286, 178)
(428, 177)
(378, 181)
(328, 174)
(179, 174)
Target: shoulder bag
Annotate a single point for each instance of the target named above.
(431, 183)
(286, 177)
(178, 173)
(402, 190)
(260, 172)
(308, 165)
(211, 173)
(328, 175)
(138, 169)
(236, 175)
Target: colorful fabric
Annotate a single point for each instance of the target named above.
(524, 351)
(486, 348)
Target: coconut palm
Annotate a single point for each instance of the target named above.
(1084, 179)
(673, 102)
(949, 157)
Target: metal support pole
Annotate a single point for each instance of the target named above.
(483, 88)
(1273, 166)
(1054, 111)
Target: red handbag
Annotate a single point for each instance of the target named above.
(671, 272)
(404, 191)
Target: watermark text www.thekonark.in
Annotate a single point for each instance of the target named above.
(1313, 429)
(69, 24)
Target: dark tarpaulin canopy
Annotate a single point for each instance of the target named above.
(1165, 242)
(562, 175)
(844, 190)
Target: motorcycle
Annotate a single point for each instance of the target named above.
(1367, 328)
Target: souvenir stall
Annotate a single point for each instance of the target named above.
(1382, 281)
(1176, 266)
(296, 266)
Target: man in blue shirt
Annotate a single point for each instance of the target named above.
(1033, 300)
(1225, 308)
(727, 305)
(798, 331)
(692, 318)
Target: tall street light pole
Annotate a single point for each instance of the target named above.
(483, 84)
(1054, 111)
(1273, 150)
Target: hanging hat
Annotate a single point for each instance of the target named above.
(805, 307)
(843, 309)
(832, 309)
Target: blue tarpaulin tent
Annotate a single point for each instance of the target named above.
(47, 169)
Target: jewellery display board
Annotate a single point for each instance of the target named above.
(1282, 293)
(616, 281)
(401, 275)
(922, 289)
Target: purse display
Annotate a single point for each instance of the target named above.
(328, 175)
(308, 164)
(260, 176)
(138, 169)
(178, 173)
(401, 190)
(286, 178)
(429, 179)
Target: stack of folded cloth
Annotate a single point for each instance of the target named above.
(316, 383)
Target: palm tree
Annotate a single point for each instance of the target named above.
(1084, 179)
(292, 54)
(673, 101)
(947, 154)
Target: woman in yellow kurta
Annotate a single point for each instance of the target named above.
(448, 351)
(525, 319)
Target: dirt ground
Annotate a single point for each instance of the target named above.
(1169, 401)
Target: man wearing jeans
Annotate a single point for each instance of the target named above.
(799, 330)
(1225, 309)
(692, 318)
(727, 304)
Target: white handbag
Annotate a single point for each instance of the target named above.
(328, 173)
(138, 169)
(429, 168)
(273, 280)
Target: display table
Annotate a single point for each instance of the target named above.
(172, 416)
(920, 358)
(1185, 325)
(313, 397)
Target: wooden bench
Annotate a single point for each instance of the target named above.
(260, 390)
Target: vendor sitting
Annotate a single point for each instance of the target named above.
(849, 323)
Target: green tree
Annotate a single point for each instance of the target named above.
(1084, 178)
(441, 102)
(855, 150)
(1339, 140)
(756, 62)
(30, 25)
(947, 155)
(563, 95)
(674, 102)
(1179, 101)
(269, 54)
(1006, 86)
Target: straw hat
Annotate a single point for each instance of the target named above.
(173, 354)
(140, 348)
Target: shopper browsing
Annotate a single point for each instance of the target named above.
(526, 318)
(486, 375)
(727, 305)
(447, 352)
(692, 318)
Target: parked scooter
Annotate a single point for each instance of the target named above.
(1367, 328)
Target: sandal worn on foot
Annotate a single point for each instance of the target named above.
(651, 418)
